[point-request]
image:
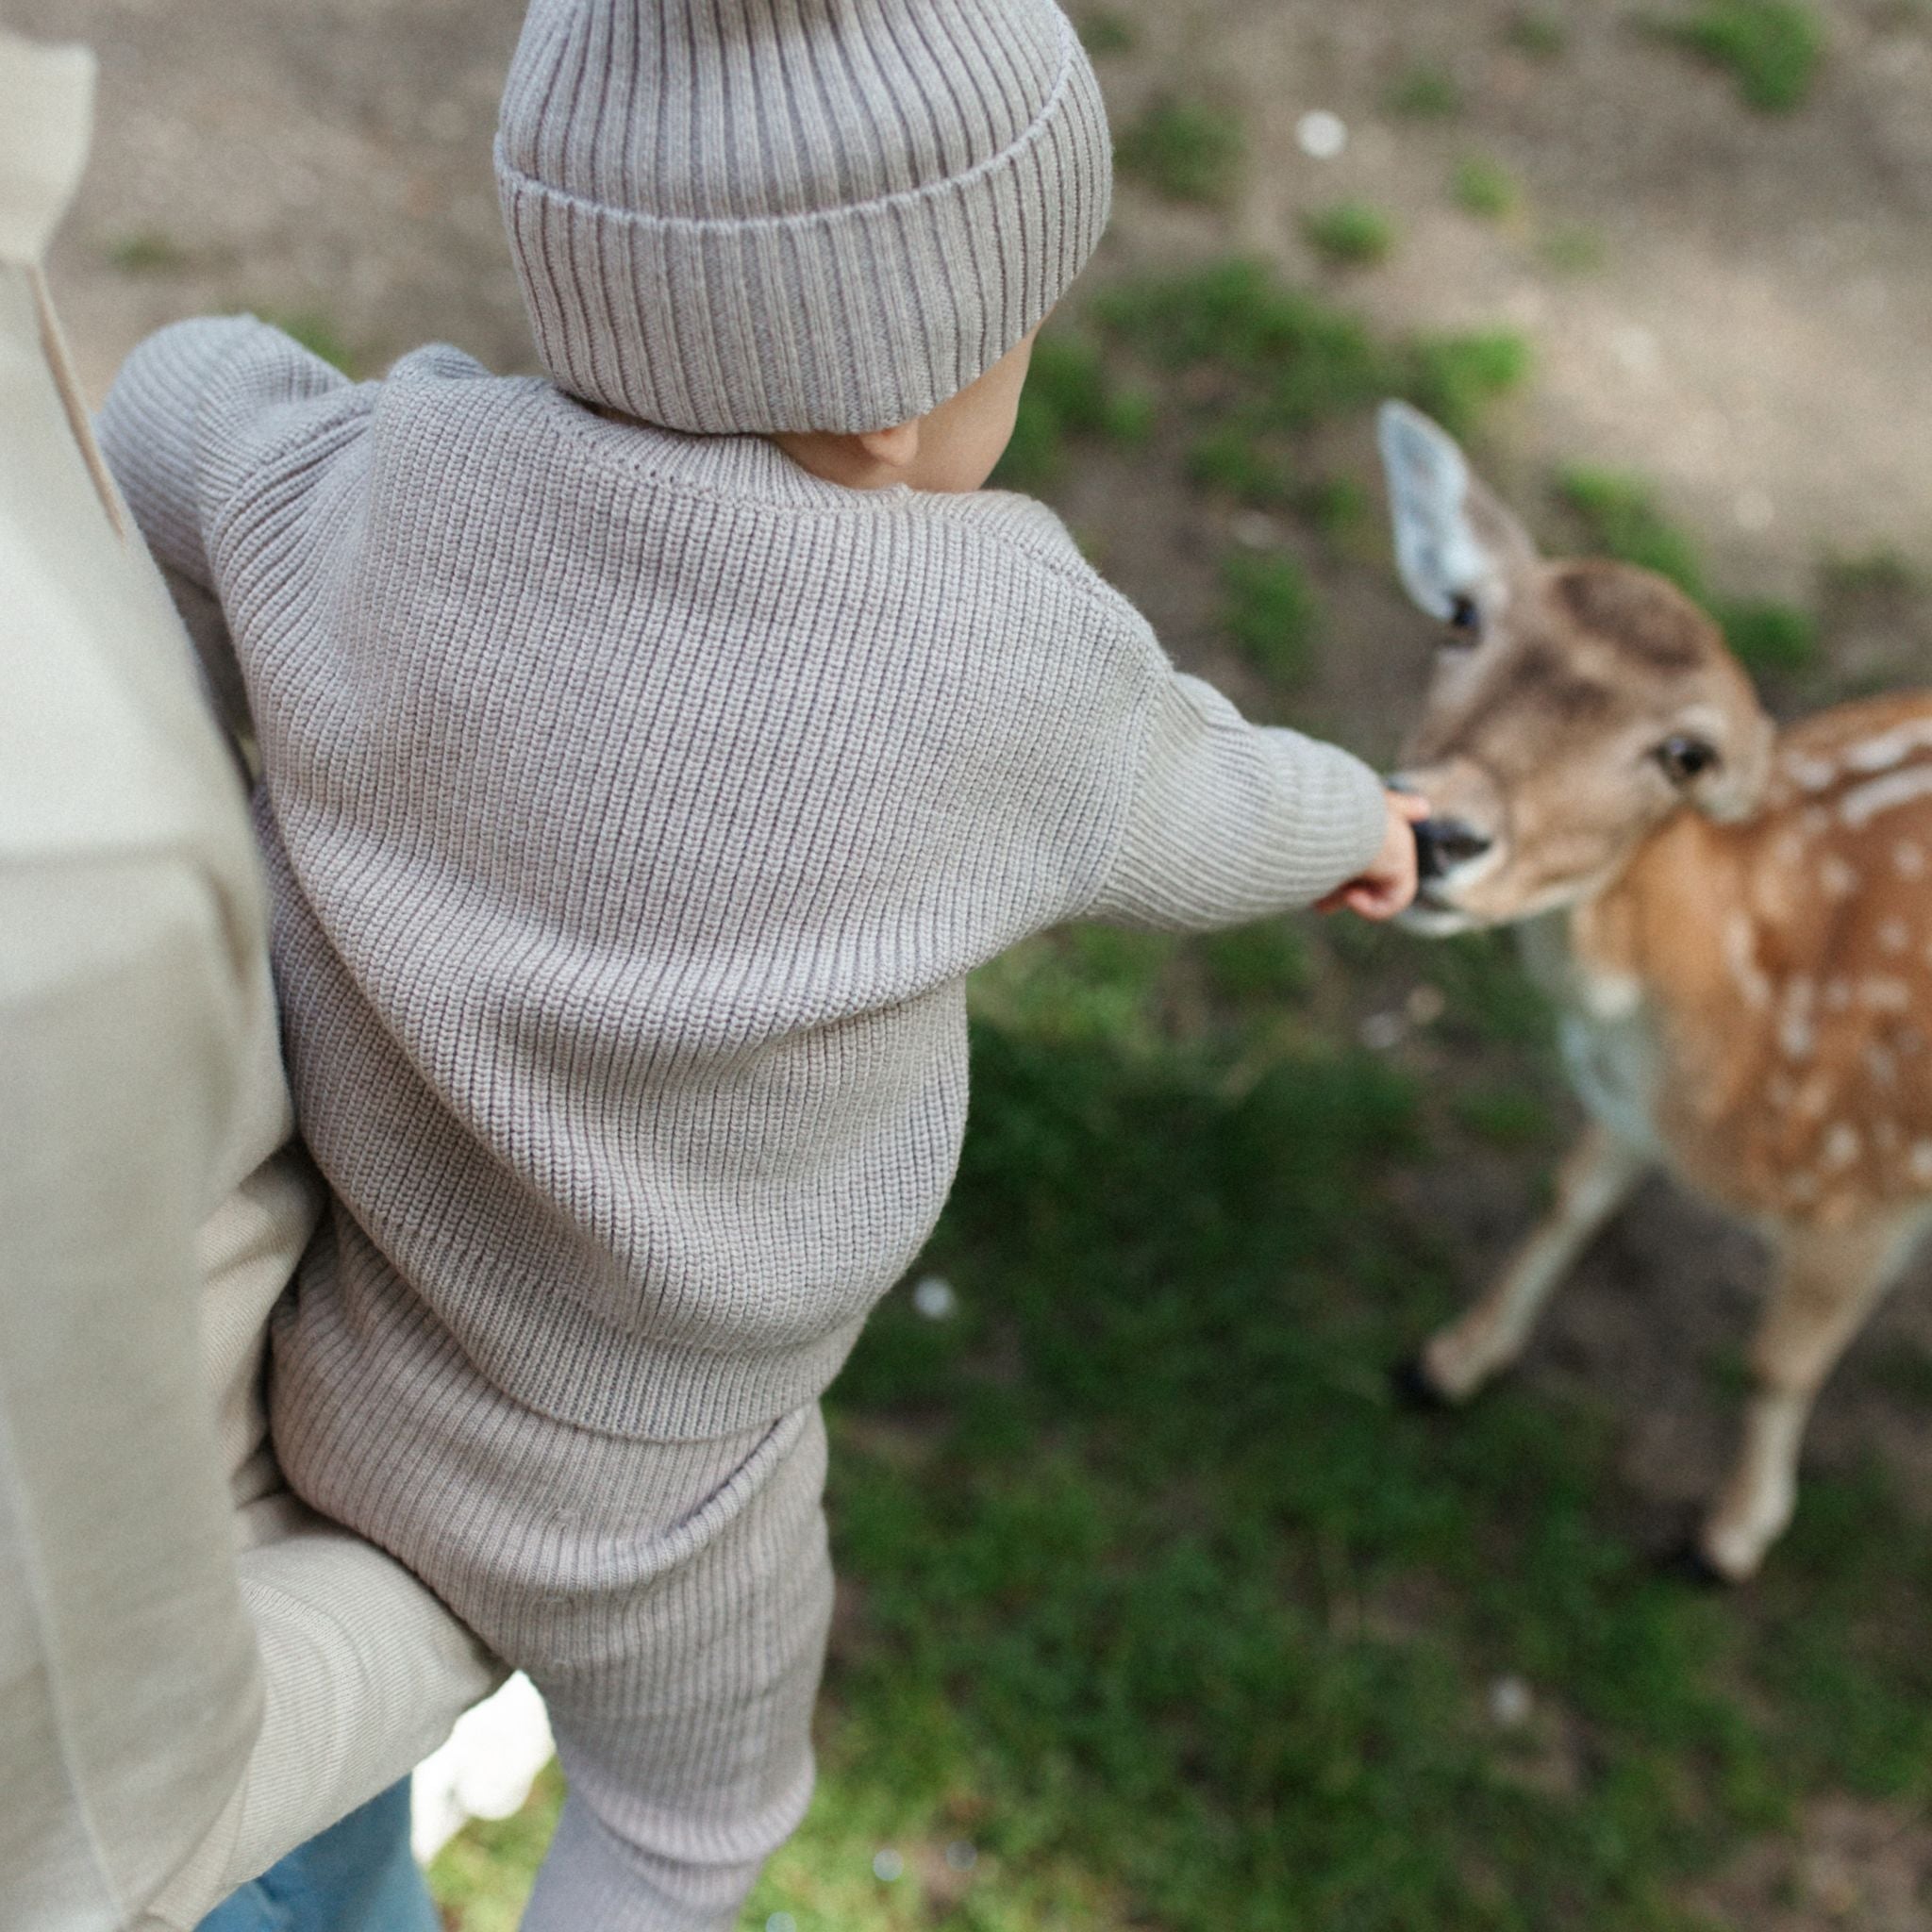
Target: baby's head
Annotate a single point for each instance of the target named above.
(836, 222)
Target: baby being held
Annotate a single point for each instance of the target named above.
(649, 752)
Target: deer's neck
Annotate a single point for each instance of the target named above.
(1644, 979)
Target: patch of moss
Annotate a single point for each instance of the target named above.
(1233, 459)
(1572, 250)
(147, 251)
(320, 336)
(1539, 32)
(1351, 234)
(1186, 150)
(1457, 377)
(1068, 393)
(1425, 92)
(1483, 187)
(1621, 518)
(1770, 638)
(1772, 48)
(1104, 32)
(1271, 613)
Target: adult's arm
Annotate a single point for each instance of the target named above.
(186, 1691)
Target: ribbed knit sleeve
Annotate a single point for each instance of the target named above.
(1232, 821)
(192, 409)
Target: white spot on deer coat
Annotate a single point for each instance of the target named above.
(1864, 804)
(1888, 748)
(1808, 774)
(1794, 1028)
(1884, 996)
(1894, 936)
(1836, 876)
(1838, 995)
(1881, 1064)
(1740, 955)
(1908, 858)
(1920, 1162)
(1842, 1145)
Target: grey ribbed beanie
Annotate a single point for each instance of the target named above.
(739, 215)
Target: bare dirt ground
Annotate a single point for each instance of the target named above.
(1756, 336)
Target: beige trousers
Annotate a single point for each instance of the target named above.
(669, 1599)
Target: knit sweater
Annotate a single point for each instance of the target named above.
(634, 806)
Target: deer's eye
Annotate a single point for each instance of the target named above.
(1465, 620)
(1684, 759)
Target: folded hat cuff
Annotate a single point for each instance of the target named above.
(853, 318)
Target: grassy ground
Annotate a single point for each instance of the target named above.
(1155, 1610)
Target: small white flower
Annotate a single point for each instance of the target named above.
(1320, 136)
(1379, 1032)
(933, 1296)
(1510, 1704)
(887, 1865)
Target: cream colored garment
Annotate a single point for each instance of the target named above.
(195, 1675)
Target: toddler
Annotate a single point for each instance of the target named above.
(649, 754)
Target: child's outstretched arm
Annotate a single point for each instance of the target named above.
(1387, 886)
(1230, 822)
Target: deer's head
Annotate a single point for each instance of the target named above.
(1575, 706)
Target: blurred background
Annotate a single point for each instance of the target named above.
(1154, 1610)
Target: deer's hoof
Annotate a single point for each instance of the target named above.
(1683, 1562)
(1415, 1388)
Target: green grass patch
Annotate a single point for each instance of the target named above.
(1271, 613)
(1772, 48)
(1456, 379)
(1572, 250)
(1068, 393)
(1156, 1611)
(1507, 1117)
(1104, 32)
(1186, 150)
(481, 1879)
(1425, 92)
(1483, 187)
(1539, 32)
(1350, 234)
(1289, 360)
(1620, 517)
(1880, 573)
(147, 251)
(1769, 638)
(1232, 459)
(319, 335)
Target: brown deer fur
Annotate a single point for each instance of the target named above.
(1741, 951)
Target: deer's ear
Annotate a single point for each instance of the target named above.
(1455, 545)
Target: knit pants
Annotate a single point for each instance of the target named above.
(669, 1599)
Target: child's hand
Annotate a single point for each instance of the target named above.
(1389, 885)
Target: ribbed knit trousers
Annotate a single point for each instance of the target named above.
(670, 1600)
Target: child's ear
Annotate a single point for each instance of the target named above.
(897, 448)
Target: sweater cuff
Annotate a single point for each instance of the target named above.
(1232, 821)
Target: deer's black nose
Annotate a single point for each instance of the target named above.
(1443, 844)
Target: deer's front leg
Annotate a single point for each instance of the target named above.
(1593, 1182)
(1827, 1284)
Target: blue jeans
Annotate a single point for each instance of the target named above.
(356, 1877)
